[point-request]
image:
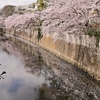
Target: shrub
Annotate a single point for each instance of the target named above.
(93, 32)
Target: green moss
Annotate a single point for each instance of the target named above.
(97, 41)
(39, 36)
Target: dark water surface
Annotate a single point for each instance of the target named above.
(18, 83)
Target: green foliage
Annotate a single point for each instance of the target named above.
(93, 32)
(33, 5)
(41, 4)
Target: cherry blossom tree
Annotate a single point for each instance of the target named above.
(60, 17)
(22, 21)
(68, 16)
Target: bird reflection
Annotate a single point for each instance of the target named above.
(1, 75)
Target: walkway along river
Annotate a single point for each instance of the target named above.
(29, 78)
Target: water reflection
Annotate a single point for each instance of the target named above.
(18, 83)
(1, 75)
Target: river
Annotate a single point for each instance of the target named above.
(27, 79)
(19, 82)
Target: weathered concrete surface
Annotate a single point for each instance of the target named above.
(79, 50)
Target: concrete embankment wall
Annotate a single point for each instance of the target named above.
(82, 50)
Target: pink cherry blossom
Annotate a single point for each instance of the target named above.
(60, 17)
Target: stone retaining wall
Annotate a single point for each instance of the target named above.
(79, 50)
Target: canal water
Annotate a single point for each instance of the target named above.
(27, 76)
(19, 83)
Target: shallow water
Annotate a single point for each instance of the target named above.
(18, 83)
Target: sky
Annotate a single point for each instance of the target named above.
(15, 2)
